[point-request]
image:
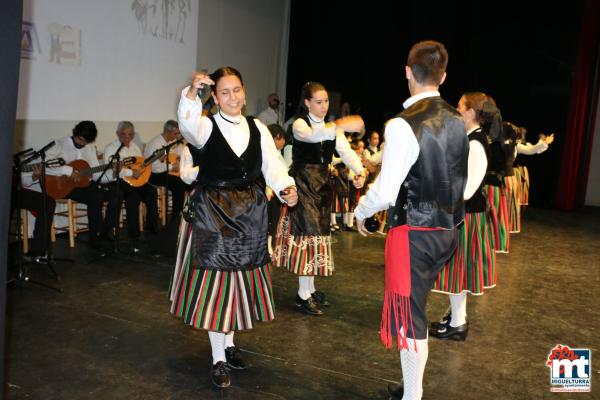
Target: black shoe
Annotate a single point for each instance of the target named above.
(319, 298)
(308, 306)
(449, 332)
(395, 391)
(219, 375)
(445, 320)
(234, 359)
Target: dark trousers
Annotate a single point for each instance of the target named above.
(132, 197)
(429, 251)
(92, 196)
(175, 185)
(34, 201)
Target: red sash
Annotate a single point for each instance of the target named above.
(397, 286)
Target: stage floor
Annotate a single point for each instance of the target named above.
(110, 335)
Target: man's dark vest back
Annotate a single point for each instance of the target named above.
(432, 193)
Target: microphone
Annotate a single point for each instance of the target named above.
(46, 147)
(39, 153)
(23, 153)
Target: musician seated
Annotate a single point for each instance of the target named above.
(160, 176)
(76, 147)
(29, 197)
(136, 189)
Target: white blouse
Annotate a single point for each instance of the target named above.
(196, 129)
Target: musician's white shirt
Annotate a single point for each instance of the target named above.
(127, 151)
(156, 143)
(65, 149)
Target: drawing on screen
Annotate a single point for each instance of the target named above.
(30, 43)
(65, 44)
(164, 19)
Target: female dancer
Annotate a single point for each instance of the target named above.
(472, 268)
(228, 284)
(303, 244)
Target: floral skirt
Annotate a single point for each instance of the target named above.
(302, 254)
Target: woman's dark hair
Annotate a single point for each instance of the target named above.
(222, 72)
(307, 92)
(277, 131)
(87, 130)
(487, 113)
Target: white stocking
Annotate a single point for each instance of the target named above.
(217, 344)
(229, 339)
(458, 302)
(304, 289)
(413, 367)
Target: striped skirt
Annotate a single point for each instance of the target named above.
(302, 254)
(214, 300)
(513, 195)
(524, 185)
(499, 217)
(472, 268)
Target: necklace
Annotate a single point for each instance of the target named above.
(228, 120)
(316, 122)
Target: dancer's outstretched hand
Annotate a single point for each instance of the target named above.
(360, 225)
(289, 195)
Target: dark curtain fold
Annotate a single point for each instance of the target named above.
(10, 48)
(582, 113)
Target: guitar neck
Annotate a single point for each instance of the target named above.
(99, 168)
(151, 159)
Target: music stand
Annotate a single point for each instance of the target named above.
(48, 260)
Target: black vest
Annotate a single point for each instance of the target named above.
(312, 153)
(478, 202)
(432, 193)
(495, 171)
(226, 168)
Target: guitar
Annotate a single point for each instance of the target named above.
(58, 187)
(53, 163)
(174, 160)
(145, 166)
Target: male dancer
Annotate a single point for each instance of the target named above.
(422, 182)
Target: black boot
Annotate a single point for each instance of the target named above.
(450, 332)
(234, 359)
(219, 375)
(395, 391)
(445, 320)
(319, 298)
(308, 306)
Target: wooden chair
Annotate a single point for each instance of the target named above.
(25, 229)
(73, 213)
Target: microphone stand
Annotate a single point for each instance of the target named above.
(21, 273)
(116, 160)
(49, 260)
(167, 149)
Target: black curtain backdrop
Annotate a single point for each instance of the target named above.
(10, 36)
(521, 53)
